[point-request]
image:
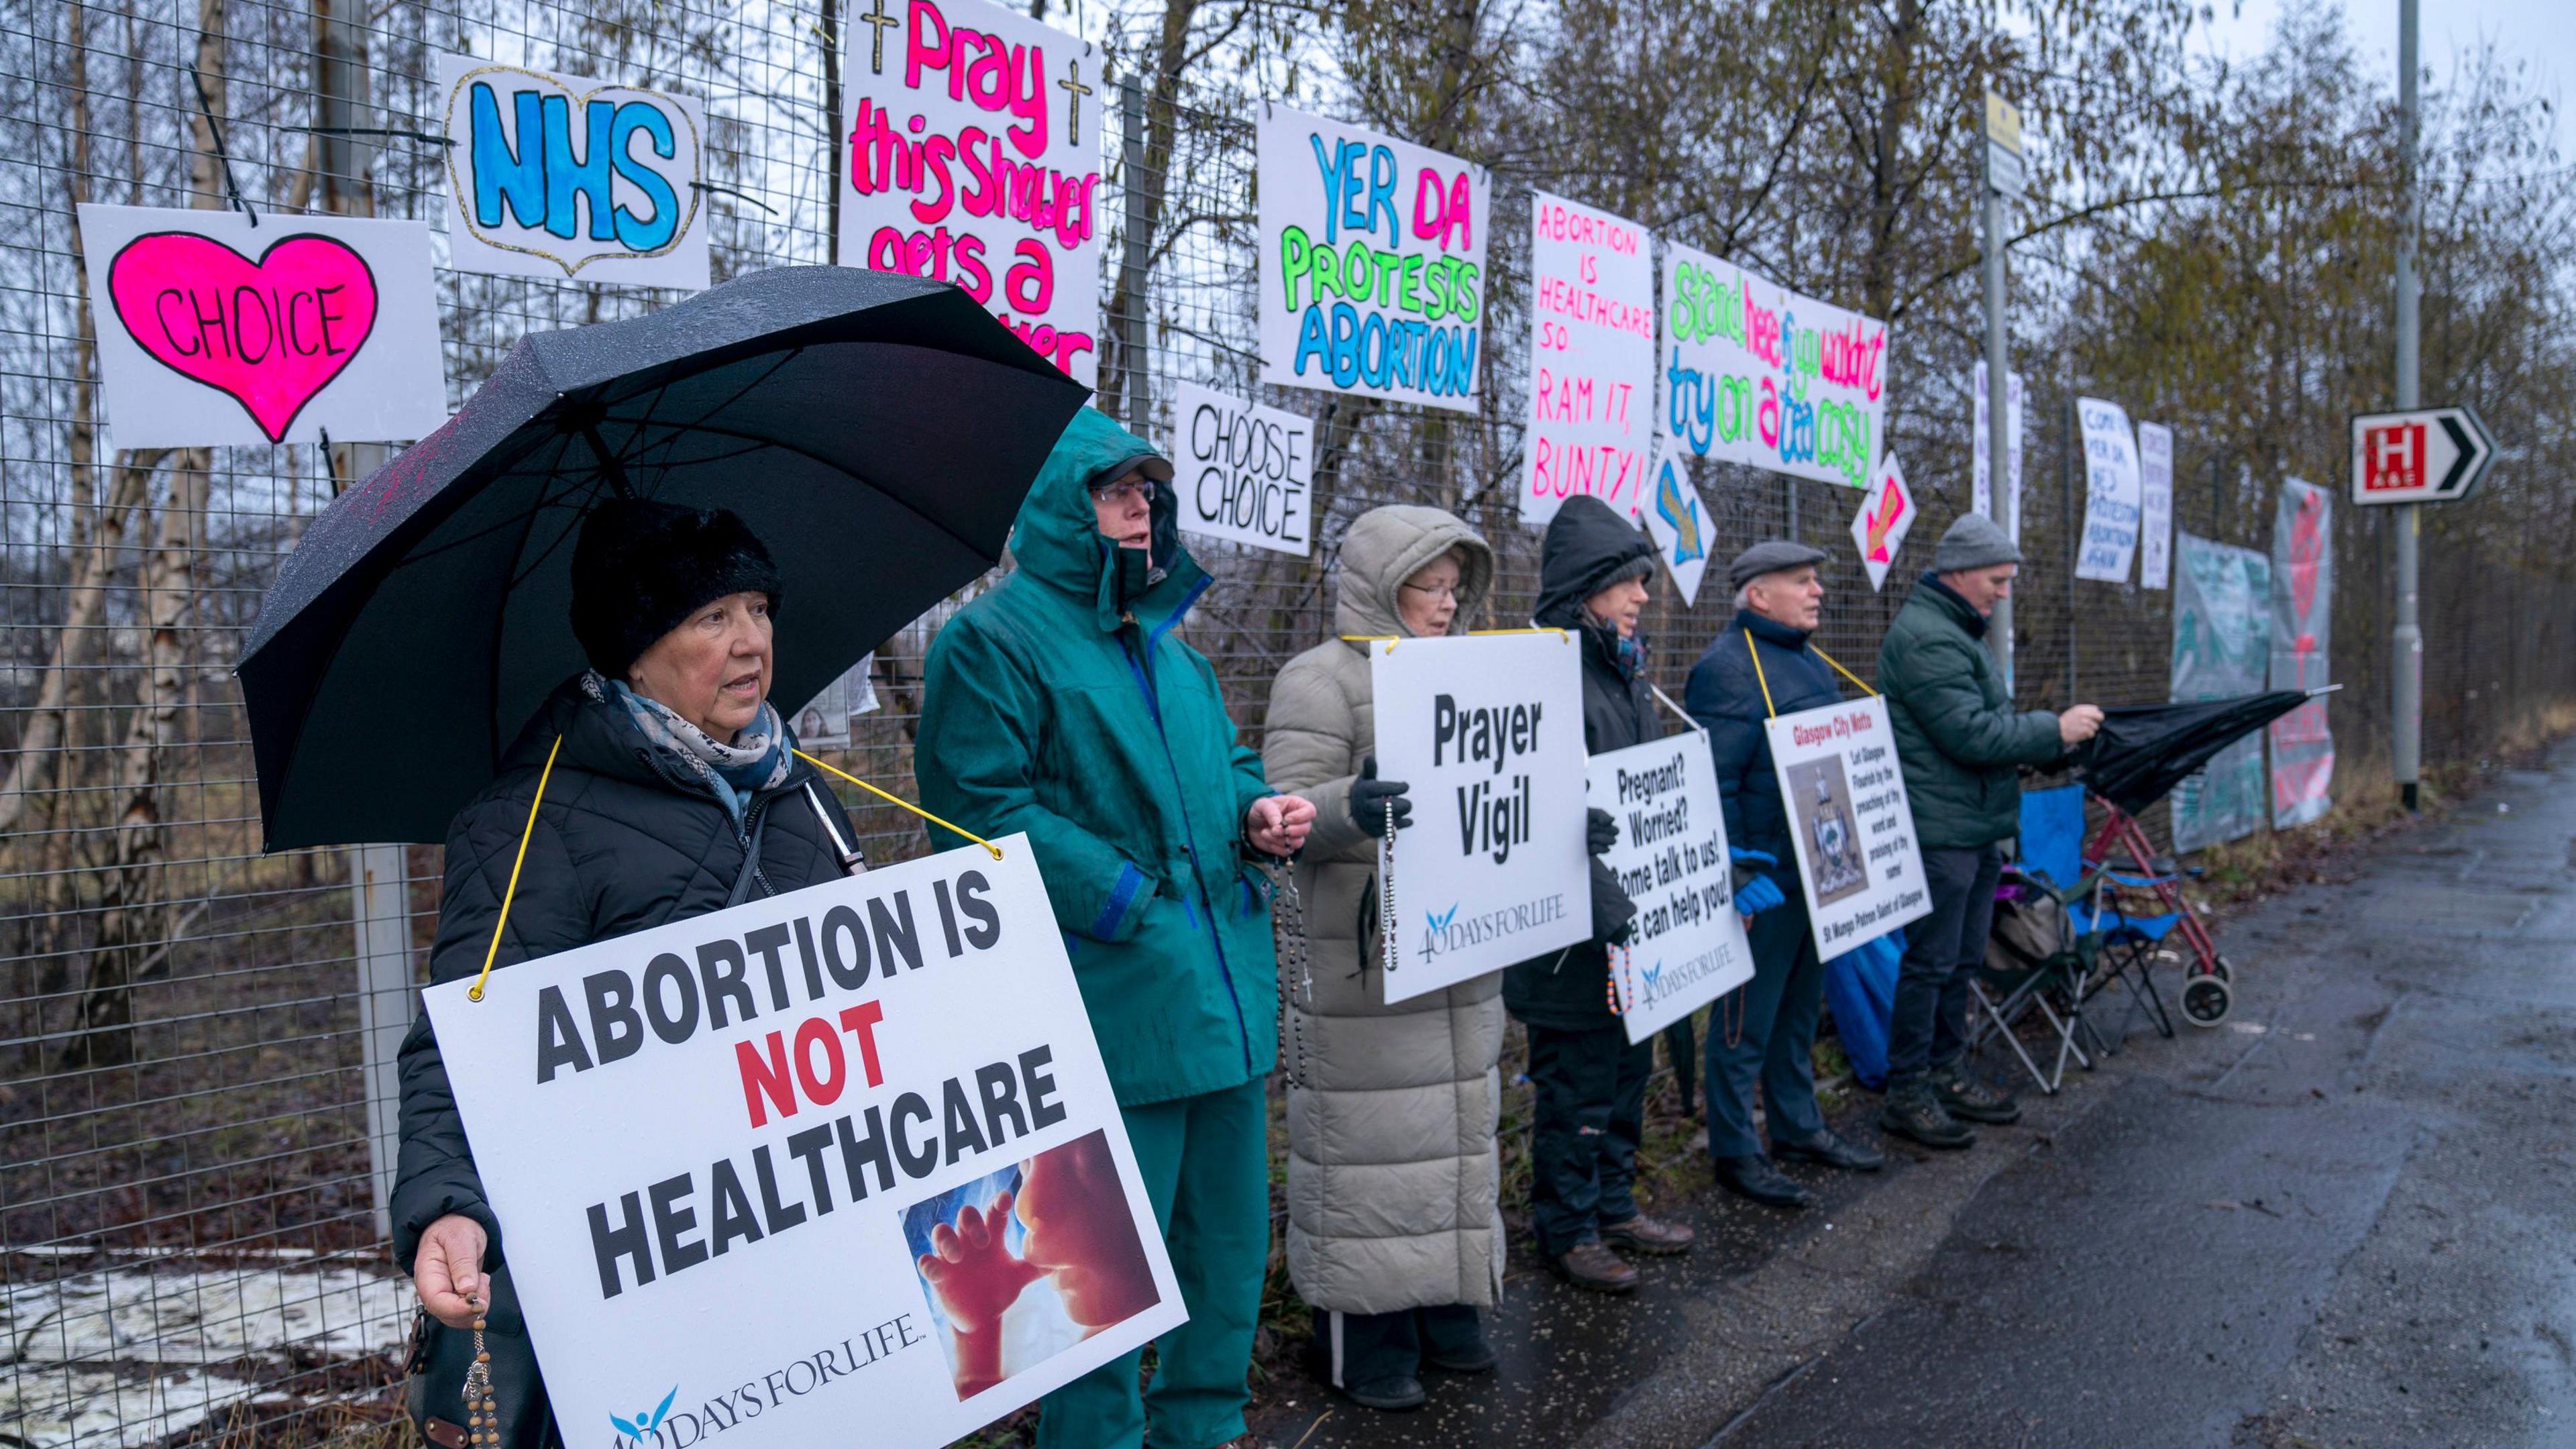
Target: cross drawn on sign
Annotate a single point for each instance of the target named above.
(1074, 91)
(879, 21)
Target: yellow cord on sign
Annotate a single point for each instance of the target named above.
(1847, 674)
(1819, 653)
(475, 991)
(1391, 640)
(1772, 711)
(899, 800)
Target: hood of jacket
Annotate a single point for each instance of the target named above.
(1056, 540)
(1386, 546)
(1587, 542)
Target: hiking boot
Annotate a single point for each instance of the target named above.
(1651, 1236)
(1827, 1150)
(1756, 1178)
(1392, 1396)
(1971, 1098)
(1915, 1111)
(1592, 1265)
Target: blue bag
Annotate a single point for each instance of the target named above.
(1860, 989)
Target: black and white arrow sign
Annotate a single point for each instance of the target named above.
(2430, 455)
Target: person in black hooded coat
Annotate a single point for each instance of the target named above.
(1590, 1083)
(653, 813)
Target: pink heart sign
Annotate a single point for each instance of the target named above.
(270, 334)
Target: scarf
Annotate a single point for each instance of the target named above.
(756, 761)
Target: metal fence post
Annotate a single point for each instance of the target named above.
(380, 909)
(1135, 256)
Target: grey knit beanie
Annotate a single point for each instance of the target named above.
(1974, 542)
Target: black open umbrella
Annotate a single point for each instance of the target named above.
(878, 432)
(2143, 751)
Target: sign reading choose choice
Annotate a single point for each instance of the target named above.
(1244, 472)
(213, 330)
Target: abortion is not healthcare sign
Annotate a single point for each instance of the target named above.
(1688, 947)
(1487, 732)
(838, 1165)
(1849, 821)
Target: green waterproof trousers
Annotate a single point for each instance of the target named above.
(1206, 1165)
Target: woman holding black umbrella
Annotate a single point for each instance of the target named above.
(655, 785)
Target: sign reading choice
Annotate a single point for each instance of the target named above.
(1849, 822)
(1688, 948)
(1592, 359)
(1488, 733)
(1244, 472)
(1372, 262)
(723, 1150)
(213, 331)
(975, 141)
(1755, 373)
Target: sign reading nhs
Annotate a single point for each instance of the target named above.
(557, 176)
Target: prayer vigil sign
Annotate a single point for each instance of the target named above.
(1488, 733)
(1850, 822)
(842, 1156)
(1688, 948)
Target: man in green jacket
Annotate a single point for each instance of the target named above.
(1060, 704)
(1959, 742)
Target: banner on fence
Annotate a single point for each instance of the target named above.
(1245, 473)
(1849, 821)
(1372, 262)
(2155, 505)
(2302, 626)
(1980, 487)
(1754, 373)
(975, 136)
(1688, 948)
(1488, 732)
(1592, 359)
(2111, 492)
(724, 1151)
(1886, 515)
(824, 722)
(212, 330)
(2221, 649)
(1675, 520)
(559, 176)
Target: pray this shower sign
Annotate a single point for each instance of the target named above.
(559, 176)
(213, 329)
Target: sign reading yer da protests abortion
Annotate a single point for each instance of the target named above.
(1244, 472)
(1488, 734)
(1688, 947)
(1849, 821)
(845, 1156)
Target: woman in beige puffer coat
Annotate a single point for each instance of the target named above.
(1395, 1238)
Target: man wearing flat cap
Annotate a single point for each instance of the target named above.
(1960, 743)
(1758, 666)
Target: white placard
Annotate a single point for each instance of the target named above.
(1688, 948)
(1980, 489)
(1886, 515)
(2155, 505)
(1245, 473)
(1487, 732)
(212, 330)
(1372, 262)
(562, 176)
(972, 139)
(1674, 518)
(1849, 822)
(1754, 373)
(1591, 359)
(719, 1149)
(2112, 502)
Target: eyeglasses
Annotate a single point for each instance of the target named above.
(1448, 592)
(1123, 491)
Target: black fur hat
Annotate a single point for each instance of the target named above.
(641, 567)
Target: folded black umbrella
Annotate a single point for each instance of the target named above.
(878, 432)
(2143, 751)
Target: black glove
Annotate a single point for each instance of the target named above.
(1600, 832)
(1614, 916)
(1371, 797)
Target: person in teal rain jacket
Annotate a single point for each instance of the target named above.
(1061, 704)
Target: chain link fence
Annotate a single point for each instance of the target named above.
(191, 1155)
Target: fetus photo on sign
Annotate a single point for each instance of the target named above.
(1022, 1264)
(1823, 803)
